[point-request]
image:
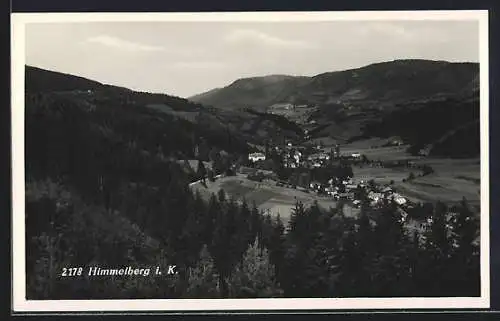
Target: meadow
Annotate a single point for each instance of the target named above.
(268, 197)
(452, 178)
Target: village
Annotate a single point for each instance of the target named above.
(338, 187)
(301, 160)
(354, 193)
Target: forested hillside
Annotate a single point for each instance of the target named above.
(103, 186)
(446, 122)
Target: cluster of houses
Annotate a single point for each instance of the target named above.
(386, 194)
(337, 189)
(318, 159)
(346, 189)
(296, 157)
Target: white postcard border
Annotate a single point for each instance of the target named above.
(20, 304)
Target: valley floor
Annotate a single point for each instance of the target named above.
(266, 195)
(452, 178)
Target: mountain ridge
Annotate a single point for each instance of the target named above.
(381, 81)
(212, 122)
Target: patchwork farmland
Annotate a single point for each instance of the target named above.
(266, 195)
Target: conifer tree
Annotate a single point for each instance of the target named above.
(415, 270)
(465, 254)
(193, 230)
(201, 171)
(255, 222)
(389, 264)
(277, 241)
(213, 210)
(465, 228)
(244, 232)
(221, 197)
(437, 251)
(203, 278)
(349, 263)
(296, 218)
(267, 231)
(438, 237)
(256, 276)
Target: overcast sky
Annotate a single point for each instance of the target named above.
(187, 58)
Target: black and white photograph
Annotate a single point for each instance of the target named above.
(308, 160)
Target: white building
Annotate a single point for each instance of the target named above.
(254, 157)
(399, 200)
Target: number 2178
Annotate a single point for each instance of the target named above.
(72, 271)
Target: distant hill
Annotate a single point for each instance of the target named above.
(205, 96)
(382, 84)
(395, 98)
(257, 92)
(376, 85)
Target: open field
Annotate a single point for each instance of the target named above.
(454, 167)
(328, 142)
(266, 195)
(372, 148)
(435, 188)
(380, 175)
(375, 152)
(363, 144)
(452, 180)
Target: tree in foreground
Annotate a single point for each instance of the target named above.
(203, 278)
(201, 171)
(465, 254)
(256, 276)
